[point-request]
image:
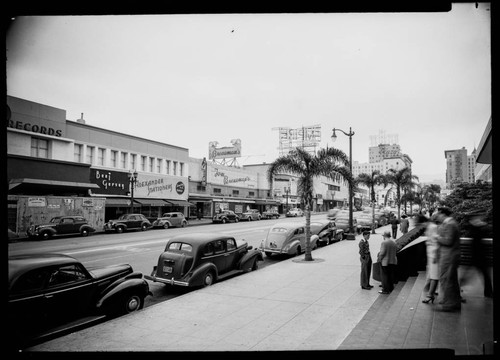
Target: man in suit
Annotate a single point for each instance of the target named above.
(366, 261)
(388, 261)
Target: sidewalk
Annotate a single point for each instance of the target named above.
(291, 305)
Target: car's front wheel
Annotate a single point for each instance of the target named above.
(119, 229)
(223, 220)
(236, 219)
(144, 227)
(84, 232)
(165, 226)
(255, 265)
(46, 235)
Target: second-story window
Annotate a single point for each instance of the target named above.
(158, 165)
(100, 156)
(167, 166)
(151, 164)
(123, 160)
(143, 163)
(78, 153)
(175, 168)
(90, 155)
(114, 155)
(133, 159)
(236, 192)
(181, 169)
(39, 148)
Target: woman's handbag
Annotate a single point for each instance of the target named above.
(377, 269)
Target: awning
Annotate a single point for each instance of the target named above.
(152, 202)
(39, 185)
(180, 203)
(117, 202)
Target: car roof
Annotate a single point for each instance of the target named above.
(288, 225)
(20, 264)
(199, 238)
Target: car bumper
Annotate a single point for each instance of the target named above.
(166, 281)
(274, 251)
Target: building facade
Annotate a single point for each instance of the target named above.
(456, 166)
(483, 169)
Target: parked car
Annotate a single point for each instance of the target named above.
(286, 238)
(128, 222)
(171, 219)
(201, 259)
(364, 220)
(294, 212)
(341, 218)
(225, 216)
(327, 231)
(55, 291)
(60, 225)
(271, 214)
(252, 214)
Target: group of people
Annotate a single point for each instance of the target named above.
(387, 259)
(443, 258)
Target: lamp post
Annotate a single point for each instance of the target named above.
(287, 191)
(132, 177)
(350, 235)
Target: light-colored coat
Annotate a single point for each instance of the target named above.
(387, 254)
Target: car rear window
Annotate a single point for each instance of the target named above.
(180, 246)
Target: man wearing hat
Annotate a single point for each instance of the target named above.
(388, 261)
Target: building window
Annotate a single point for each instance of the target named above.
(175, 168)
(123, 160)
(151, 164)
(78, 153)
(114, 155)
(251, 193)
(236, 192)
(201, 188)
(143, 163)
(167, 167)
(181, 169)
(39, 148)
(100, 156)
(217, 191)
(90, 155)
(158, 165)
(133, 158)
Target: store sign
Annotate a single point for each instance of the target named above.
(161, 187)
(37, 202)
(110, 182)
(226, 176)
(38, 126)
(204, 172)
(224, 152)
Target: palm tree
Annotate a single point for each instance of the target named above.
(329, 162)
(400, 179)
(370, 181)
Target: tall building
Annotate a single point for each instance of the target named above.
(471, 166)
(456, 166)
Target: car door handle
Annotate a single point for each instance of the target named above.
(48, 296)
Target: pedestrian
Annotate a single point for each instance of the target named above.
(366, 261)
(449, 260)
(388, 261)
(404, 224)
(199, 214)
(478, 230)
(394, 226)
(432, 247)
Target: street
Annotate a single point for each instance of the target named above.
(142, 248)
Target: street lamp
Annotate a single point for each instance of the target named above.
(287, 191)
(350, 235)
(132, 177)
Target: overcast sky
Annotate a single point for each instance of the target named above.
(187, 80)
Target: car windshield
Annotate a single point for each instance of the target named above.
(123, 217)
(180, 246)
(55, 219)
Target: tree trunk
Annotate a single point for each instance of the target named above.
(373, 217)
(308, 255)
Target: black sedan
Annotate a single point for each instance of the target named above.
(48, 294)
(200, 259)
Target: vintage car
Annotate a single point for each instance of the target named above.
(54, 293)
(60, 225)
(327, 231)
(364, 220)
(201, 259)
(341, 218)
(127, 222)
(171, 219)
(225, 216)
(252, 214)
(294, 212)
(287, 238)
(271, 214)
